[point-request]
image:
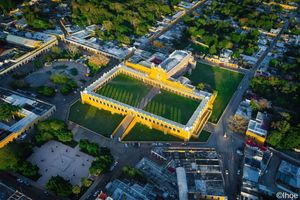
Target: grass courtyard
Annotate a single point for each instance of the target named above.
(222, 80)
(172, 106)
(99, 121)
(142, 133)
(125, 89)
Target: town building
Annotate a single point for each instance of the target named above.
(161, 175)
(85, 40)
(156, 73)
(257, 129)
(198, 171)
(244, 110)
(22, 47)
(10, 193)
(161, 183)
(255, 164)
(288, 177)
(32, 111)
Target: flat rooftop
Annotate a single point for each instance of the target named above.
(202, 166)
(173, 60)
(84, 37)
(31, 109)
(7, 192)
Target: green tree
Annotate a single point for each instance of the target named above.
(8, 111)
(56, 50)
(59, 186)
(133, 173)
(86, 182)
(274, 62)
(89, 147)
(76, 190)
(59, 78)
(27, 169)
(53, 129)
(201, 86)
(20, 84)
(101, 164)
(9, 156)
(212, 50)
(46, 91)
(37, 64)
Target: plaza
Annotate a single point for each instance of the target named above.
(55, 158)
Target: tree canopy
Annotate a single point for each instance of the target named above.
(284, 133)
(53, 129)
(119, 20)
(59, 186)
(7, 111)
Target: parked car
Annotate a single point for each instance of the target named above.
(239, 152)
(113, 166)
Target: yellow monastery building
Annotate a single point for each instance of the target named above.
(158, 76)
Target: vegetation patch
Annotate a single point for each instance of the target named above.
(8, 111)
(125, 89)
(94, 119)
(46, 91)
(104, 159)
(225, 82)
(134, 174)
(67, 84)
(135, 17)
(60, 186)
(52, 129)
(142, 133)
(96, 62)
(13, 158)
(172, 106)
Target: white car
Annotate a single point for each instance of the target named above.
(96, 193)
(239, 152)
(113, 166)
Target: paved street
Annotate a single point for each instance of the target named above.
(228, 146)
(130, 154)
(29, 190)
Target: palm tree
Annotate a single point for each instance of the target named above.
(8, 111)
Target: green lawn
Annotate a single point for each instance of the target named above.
(99, 121)
(172, 106)
(222, 80)
(142, 133)
(203, 137)
(125, 89)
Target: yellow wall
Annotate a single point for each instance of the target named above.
(9, 138)
(142, 118)
(15, 135)
(127, 131)
(210, 197)
(259, 139)
(285, 6)
(157, 77)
